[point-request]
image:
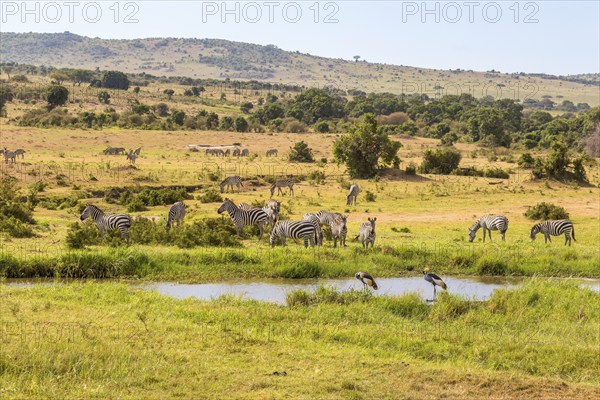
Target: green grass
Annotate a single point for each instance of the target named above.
(108, 340)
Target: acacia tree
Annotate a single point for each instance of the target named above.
(56, 95)
(366, 149)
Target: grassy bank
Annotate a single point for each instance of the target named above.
(100, 340)
(209, 264)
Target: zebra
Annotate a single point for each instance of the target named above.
(275, 206)
(268, 210)
(110, 151)
(352, 195)
(339, 230)
(295, 230)
(176, 213)
(245, 153)
(106, 222)
(327, 217)
(227, 152)
(241, 217)
(312, 218)
(236, 152)
(9, 155)
(131, 156)
(20, 152)
(281, 183)
(554, 228)
(137, 151)
(272, 152)
(489, 223)
(367, 232)
(231, 181)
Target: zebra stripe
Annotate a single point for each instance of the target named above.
(281, 183)
(489, 223)
(241, 217)
(367, 232)
(176, 213)
(554, 228)
(352, 195)
(231, 181)
(271, 214)
(339, 230)
(106, 222)
(312, 218)
(327, 217)
(296, 230)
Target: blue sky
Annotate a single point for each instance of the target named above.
(557, 37)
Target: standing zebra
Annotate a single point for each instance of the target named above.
(489, 223)
(272, 152)
(295, 230)
(327, 217)
(106, 222)
(245, 153)
(339, 230)
(312, 218)
(281, 183)
(131, 156)
(554, 228)
(367, 232)
(9, 155)
(236, 152)
(137, 151)
(176, 213)
(231, 181)
(241, 217)
(352, 195)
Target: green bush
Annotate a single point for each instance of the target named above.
(16, 215)
(491, 266)
(496, 172)
(370, 196)
(440, 161)
(544, 211)
(301, 153)
(211, 196)
(411, 169)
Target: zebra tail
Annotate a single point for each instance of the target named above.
(573, 233)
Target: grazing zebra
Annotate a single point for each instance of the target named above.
(231, 181)
(131, 156)
(352, 195)
(312, 218)
(367, 232)
(227, 152)
(241, 217)
(272, 152)
(295, 230)
(236, 152)
(339, 230)
(137, 151)
(489, 223)
(281, 183)
(20, 152)
(114, 151)
(245, 153)
(9, 155)
(106, 222)
(176, 213)
(554, 228)
(268, 210)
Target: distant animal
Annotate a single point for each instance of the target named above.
(367, 232)
(231, 181)
(20, 152)
(241, 218)
(434, 280)
(236, 152)
(272, 152)
(106, 222)
(227, 152)
(114, 151)
(176, 214)
(131, 156)
(489, 223)
(339, 230)
(245, 153)
(310, 217)
(137, 151)
(352, 195)
(367, 280)
(9, 156)
(554, 228)
(294, 229)
(281, 183)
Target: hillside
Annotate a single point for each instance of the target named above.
(220, 59)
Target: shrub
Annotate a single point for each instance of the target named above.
(496, 172)
(440, 161)
(211, 196)
(411, 169)
(526, 160)
(15, 214)
(370, 196)
(301, 153)
(545, 211)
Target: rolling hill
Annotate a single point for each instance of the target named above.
(221, 59)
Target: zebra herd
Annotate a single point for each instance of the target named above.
(131, 155)
(309, 229)
(211, 151)
(10, 157)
